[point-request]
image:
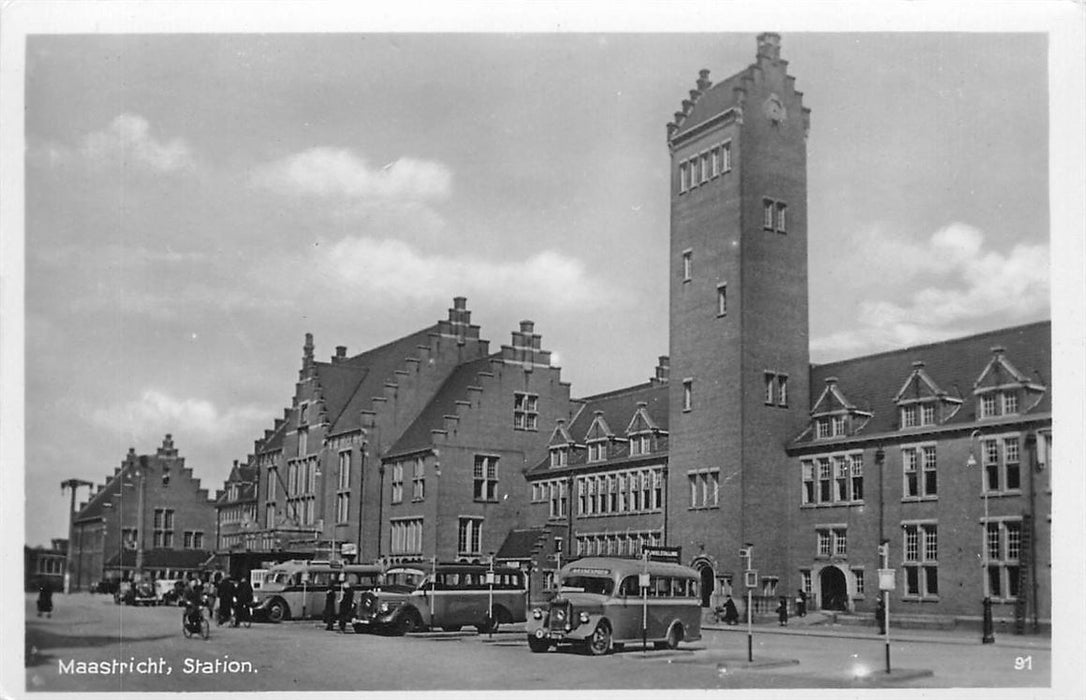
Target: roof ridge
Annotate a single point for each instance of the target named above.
(912, 348)
(618, 392)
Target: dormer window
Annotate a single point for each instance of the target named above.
(597, 451)
(988, 405)
(838, 425)
(927, 414)
(1010, 402)
(559, 456)
(641, 444)
(1001, 389)
(921, 401)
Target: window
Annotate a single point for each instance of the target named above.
(726, 157)
(343, 472)
(688, 265)
(303, 413)
(269, 516)
(1002, 471)
(525, 411)
(303, 442)
(841, 472)
(927, 414)
(858, 575)
(824, 480)
(688, 394)
(193, 540)
(641, 444)
(805, 580)
(1004, 542)
(921, 559)
(919, 468)
(704, 159)
(469, 536)
(722, 300)
(704, 488)
(418, 480)
(1010, 402)
(822, 427)
(782, 390)
(406, 536)
(840, 542)
(807, 469)
(559, 456)
(782, 211)
(397, 482)
(684, 181)
(857, 477)
(770, 387)
(597, 451)
(908, 416)
(486, 478)
(838, 425)
(988, 405)
(163, 528)
(716, 160)
(767, 214)
(825, 542)
(273, 483)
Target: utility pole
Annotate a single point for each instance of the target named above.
(73, 485)
(750, 577)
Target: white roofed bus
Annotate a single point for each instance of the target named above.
(603, 604)
(296, 588)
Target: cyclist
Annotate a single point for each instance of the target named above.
(194, 603)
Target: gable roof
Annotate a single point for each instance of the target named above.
(455, 388)
(873, 382)
(619, 407)
(350, 384)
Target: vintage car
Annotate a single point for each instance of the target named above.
(444, 596)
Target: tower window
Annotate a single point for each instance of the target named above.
(684, 176)
(767, 214)
(716, 160)
(722, 300)
(770, 386)
(782, 217)
(688, 265)
(704, 167)
(688, 394)
(726, 156)
(782, 389)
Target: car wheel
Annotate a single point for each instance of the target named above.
(408, 622)
(278, 611)
(600, 641)
(674, 636)
(538, 646)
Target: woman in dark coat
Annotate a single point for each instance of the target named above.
(731, 614)
(243, 598)
(330, 606)
(782, 612)
(45, 599)
(346, 606)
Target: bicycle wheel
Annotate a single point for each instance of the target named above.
(205, 628)
(185, 626)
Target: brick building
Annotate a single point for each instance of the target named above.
(151, 514)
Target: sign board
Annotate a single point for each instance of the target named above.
(887, 579)
(751, 578)
(672, 555)
(349, 549)
(643, 580)
(490, 578)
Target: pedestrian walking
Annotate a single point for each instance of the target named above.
(330, 606)
(45, 599)
(801, 603)
(782, 612)
(225, 593)
(243, 600)
(731, 614)
(346, 606)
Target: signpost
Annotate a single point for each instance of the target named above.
(751, 580)
(490, 602)
(887, 583)
(643, 581)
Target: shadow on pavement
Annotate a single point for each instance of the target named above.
(39, 640)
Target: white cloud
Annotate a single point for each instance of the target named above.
(157, 413)
(973, 288)
(128, 140)
(340, 174)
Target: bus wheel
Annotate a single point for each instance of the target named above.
(277, 611)
(538, 646)
(674, 636)
(600, 641)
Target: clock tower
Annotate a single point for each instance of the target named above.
(738, 317)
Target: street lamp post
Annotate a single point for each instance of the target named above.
(987, 633)
(73, 485)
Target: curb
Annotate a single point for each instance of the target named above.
(812, 631)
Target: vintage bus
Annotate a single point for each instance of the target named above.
(445, 596)
(296, 588)
(601, 605)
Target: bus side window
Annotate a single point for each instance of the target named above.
(629, 587)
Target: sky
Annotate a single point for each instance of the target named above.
(196, 203)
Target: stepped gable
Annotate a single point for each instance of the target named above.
(455, 388)
(872, 383)
(618, 408)
(362, 377)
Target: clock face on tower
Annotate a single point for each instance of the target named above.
(774, 109)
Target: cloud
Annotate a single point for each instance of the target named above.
(969, 288)
(330, 173)
(157, 413)
(127, 141)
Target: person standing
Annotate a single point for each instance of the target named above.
(330, 605)
(801, 603)
(731, 614)
(243, 600)
(782, 612)
(225, 594)
(346, 606)
(45, 599)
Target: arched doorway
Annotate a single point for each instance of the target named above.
(708, 582)
(834, 591)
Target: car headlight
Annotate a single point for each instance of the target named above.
(537, 614)
(583, 617)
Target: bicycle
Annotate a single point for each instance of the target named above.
(193, 622)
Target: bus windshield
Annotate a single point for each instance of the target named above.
(588, 584)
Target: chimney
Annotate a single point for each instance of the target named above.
(769, 45)
(341, 352)
(663, 369)
(703, 80)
